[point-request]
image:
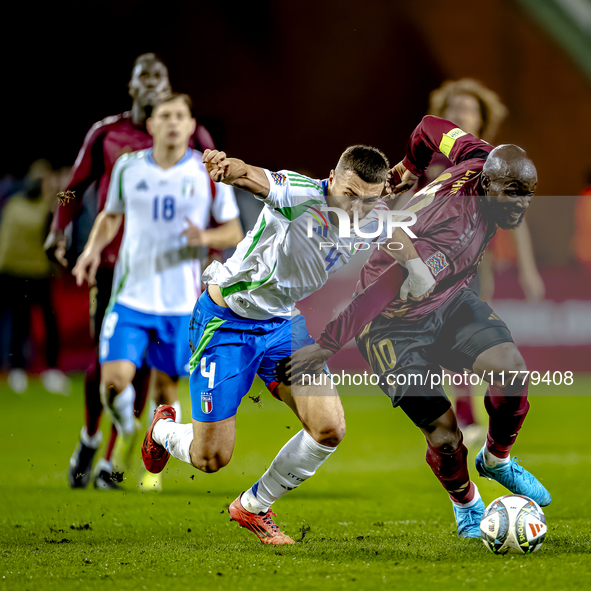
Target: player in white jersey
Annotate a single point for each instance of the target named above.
(168, 199)
(246, 323)
(293, 249)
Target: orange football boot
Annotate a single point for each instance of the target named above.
(263, 526)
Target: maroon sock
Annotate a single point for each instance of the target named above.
(141, 385)
(507, 408)
(111, 444)
(93, 406)
(451, 469)
(464, 410)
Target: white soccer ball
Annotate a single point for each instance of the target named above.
(513, 523)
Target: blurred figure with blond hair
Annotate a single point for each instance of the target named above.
(475, 108)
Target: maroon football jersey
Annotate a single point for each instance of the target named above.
(453, 224)
(104, 143)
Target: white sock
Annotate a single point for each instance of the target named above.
(122, 412)
(89, 441)
(491, 460)
(470, 503)
(299, 459)
(175, 438)
(177, 408)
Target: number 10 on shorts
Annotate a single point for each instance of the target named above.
(208, 374)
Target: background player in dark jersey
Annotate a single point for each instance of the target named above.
(407, 342)
(104, 143)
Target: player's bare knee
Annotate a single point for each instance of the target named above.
(446, 442)
(207, 465)
(500, 361)
(513, 364)
(329, 435)
(443, 434)
(111, 385)
(210, 462)
(515, 361)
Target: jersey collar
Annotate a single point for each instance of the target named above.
(185, 158)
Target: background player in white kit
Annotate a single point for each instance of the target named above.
(247, 323)
(167, 198)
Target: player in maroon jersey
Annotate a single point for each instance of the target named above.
(407, 342)
(478, 110)
(103, 144)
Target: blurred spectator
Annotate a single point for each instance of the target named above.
(582, 237)
(25, 275)
(8, 186)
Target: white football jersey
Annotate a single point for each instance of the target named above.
(156, 271)
(291, 252)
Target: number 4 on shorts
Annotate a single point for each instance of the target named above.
(208, 374)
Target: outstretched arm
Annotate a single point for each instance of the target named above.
(233, 171)
(432, 135)
(362, 310)
(351, 321)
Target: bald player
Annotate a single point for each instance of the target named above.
(407, 343)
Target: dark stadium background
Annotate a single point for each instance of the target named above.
(284, 84)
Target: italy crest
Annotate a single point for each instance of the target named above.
(188, 187)
(206, 403)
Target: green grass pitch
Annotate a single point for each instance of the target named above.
(373, 517)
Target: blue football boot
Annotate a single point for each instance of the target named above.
(515, 478)
(468, 518)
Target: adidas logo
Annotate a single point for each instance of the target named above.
(536, 528)
(494, 316)
(142, 186)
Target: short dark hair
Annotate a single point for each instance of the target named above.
(173, 96)
(369, 164)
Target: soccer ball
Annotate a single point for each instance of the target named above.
(513, 523)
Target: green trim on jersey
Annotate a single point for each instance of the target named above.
(121, 183)
(295, 211)
(113, 299)
(207, 335)
(303, 184)
(132, 157)
(256, 237)
(299, 180)
(245, 285)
